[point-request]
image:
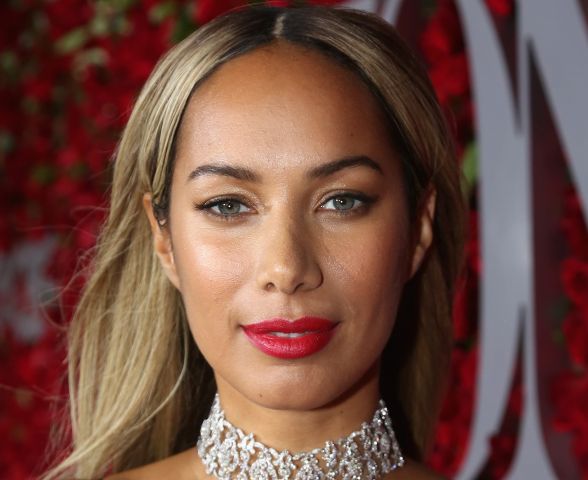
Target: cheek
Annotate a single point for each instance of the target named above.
(211, 269)
(370, 272)
(207, 269)
(370, 265)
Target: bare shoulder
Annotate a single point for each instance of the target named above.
(414, 471)
(182, 466)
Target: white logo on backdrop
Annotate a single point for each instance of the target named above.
(555, 34)
(24, 286)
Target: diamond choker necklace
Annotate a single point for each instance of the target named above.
(368, 453)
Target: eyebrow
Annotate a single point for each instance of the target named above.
(322, 171)
(240, 173)
(346, 162)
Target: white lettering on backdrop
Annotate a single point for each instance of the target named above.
(24, 286)
(555, 34)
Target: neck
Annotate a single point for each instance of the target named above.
(283, 424)
(332, 440)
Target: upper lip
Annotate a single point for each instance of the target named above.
(300, 325)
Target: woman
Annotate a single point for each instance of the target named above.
(285, 230)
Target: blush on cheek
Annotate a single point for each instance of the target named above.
(211, 266)
(210, 275)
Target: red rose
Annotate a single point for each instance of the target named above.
(502, 446)
(451, 78)
(574, 278)
(574, 226)
(575, 330)
(206, 10)
(442, 35)
(569, 396)
(515, 400)
(435, 42)
(501, 8)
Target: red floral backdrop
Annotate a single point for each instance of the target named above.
(70, 70)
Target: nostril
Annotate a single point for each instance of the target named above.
(286, 263)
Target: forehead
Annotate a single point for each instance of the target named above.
(282, 101)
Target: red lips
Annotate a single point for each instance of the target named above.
(291, 339)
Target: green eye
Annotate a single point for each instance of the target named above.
(224, 208)
(227, 207)
(346, 202)
(342, 202)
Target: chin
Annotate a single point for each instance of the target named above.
(295, 387)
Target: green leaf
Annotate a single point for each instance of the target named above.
(44, 174)
(428, 7)
(123, 5)
(40, 21)
(120, 25)
(78, 171)
(469, 167)
(91, 56)
(72, 40)
(6, 141)
(558, 337)
(8, 62)
(99, 25)
(184, 25)
(158, 13)
(30, 105)
(560, 308)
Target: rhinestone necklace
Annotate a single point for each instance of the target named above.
(366, 454)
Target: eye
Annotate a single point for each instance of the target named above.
(225, 208)
(346, 202)
(340, 203)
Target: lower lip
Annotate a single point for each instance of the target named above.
(291, 347)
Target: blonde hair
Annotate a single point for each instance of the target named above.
(138, 386)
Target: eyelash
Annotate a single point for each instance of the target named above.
(207, 206)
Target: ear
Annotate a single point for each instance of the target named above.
(161, 242)
(423, 230)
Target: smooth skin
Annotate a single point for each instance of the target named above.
(288, 200)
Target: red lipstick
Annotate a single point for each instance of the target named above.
(291, 339)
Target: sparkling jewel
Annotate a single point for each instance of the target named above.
(366, 454)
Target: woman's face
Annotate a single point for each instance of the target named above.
(288, 202)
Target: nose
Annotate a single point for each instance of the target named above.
(287, 261)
